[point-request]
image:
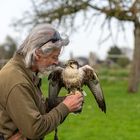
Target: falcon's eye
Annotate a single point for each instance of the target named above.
(71, 63)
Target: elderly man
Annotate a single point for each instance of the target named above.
(24, 113)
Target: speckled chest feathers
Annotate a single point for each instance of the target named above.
(72, 78)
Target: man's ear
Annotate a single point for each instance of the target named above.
(38, 54)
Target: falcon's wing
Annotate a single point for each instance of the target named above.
(92, 81)
(55, 84)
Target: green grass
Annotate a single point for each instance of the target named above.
(121, 122)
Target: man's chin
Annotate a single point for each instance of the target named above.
(46, 71)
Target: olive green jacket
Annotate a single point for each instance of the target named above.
(22, 107)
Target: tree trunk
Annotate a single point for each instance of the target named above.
(135, 69)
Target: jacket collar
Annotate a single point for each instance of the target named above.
(19, 60)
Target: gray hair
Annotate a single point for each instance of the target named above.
(40, 37)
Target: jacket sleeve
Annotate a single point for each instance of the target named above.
(26, 115)
(57, 101)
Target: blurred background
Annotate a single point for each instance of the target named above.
(104, 34)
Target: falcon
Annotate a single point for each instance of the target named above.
(73, 78)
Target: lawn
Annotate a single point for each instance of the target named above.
(121, 122)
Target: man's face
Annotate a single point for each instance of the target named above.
(47, 62)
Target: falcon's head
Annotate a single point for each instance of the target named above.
(72, 64)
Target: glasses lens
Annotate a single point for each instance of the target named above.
(56, 37)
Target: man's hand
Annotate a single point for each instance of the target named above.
(17, 136)
(74, 101)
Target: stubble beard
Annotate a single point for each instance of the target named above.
(46, 70)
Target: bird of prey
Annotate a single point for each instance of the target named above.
(73, 77)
